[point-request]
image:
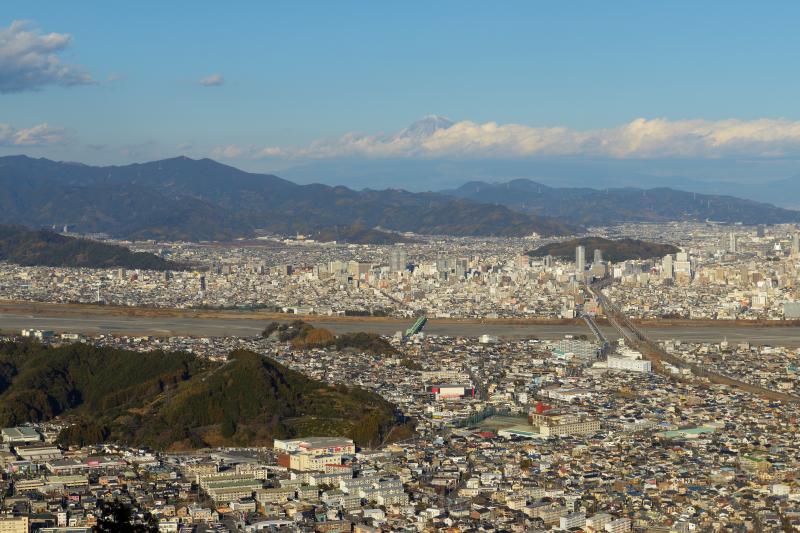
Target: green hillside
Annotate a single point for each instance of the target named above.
(46, 248)
(173, 400)
(613, 250)
(304, 335)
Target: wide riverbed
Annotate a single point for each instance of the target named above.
(214, 327)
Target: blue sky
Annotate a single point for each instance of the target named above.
(300, 75)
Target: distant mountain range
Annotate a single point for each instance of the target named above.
(193, 200)
(596, 207)
(174, 400)
(26, 247)
(187, 199)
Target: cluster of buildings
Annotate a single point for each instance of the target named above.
(522, 435)
(527, 435)
(773, 367)
(724, 274)
(721, 272)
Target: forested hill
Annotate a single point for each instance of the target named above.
(200, 199)
(613, 250)
(46, 248)
(174, 400)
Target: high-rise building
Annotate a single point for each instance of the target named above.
(202, 283)
(580, 259)
(462, 267)
(667, 268)
(760, 230)
(733, 243)
(683, 266)
(598, 256)
(359, 269)
(398, 259)
(796, 244)
(442, 263)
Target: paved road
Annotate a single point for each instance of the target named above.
(659, 357)
(214, 327)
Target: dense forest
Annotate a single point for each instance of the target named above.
(46, 248)
(175, 400)
(613, 250)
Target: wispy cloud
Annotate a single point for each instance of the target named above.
(39, 135)
(29, 59)
(436, 137)
(214, 80)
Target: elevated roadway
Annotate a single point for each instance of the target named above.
(650, 350)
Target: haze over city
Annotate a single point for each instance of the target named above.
(363, 267)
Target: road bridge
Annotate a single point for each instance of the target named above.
(658, 356)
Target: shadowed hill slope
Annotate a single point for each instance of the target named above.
(174, 400)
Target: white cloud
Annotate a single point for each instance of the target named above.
(39, 135)
(214, 80)
(435, 137)
(29, 59)
(231, 151)
(234, 151)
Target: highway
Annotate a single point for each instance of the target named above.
(73, 320)
(651, 351)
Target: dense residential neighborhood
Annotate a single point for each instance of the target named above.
(524, 435)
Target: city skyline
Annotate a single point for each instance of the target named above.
(363, 267)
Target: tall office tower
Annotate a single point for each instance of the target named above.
(442, 263)
(598, 257)
(732, 243)
(397, 260)
(667, 270)
(683, 265)
(548, 261)
(580, 259)
(462, 267)
(796, 244)
(760, 230)
(202, 283)
(337, 267)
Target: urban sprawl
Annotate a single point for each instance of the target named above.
(574, 434)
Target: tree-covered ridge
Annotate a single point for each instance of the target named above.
(46, 248)
(175, 400)
(304, 335)
(613, 250)
(603, 207)
(186, 199)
